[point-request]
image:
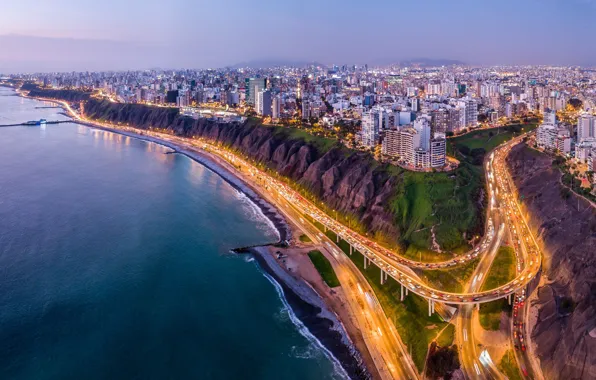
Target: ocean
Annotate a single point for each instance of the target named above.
(115, 263)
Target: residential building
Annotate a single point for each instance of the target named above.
(263, 103)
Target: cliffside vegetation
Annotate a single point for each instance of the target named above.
(397, 207)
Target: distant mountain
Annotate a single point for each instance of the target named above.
(422, 62)
(267, 63)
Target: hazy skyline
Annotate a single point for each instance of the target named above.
(84, 34)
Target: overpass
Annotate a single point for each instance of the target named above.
(391, 264)
(501, 191)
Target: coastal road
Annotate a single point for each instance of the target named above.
(394, 265)
(385, 260)
(377, 330)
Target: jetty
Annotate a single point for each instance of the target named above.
(36, 123)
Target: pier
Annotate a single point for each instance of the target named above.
(35, 123)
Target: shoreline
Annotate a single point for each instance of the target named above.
(312, 311)
(306, 304)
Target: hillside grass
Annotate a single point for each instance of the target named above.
(410, 317)
(501, 272)
(502, 269)
(488, 139)
(447, 336)
(444, 201)
(324, 268)
(450, 280)
(508, 365)
(323, 144)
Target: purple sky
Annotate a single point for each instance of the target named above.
(126, 34)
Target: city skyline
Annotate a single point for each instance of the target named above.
(142, 35)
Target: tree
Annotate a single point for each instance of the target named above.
(464, 149)
(575, 103)
(442, 362)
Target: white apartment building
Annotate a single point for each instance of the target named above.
(584, 149)
(546, 135)
(438, 150)
(468, 112)
(370, 129)
(586, 127)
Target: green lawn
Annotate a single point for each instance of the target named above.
(491, 138)
(450, 280)
(501, 272)
(410, 317)
(502, 269)
(490, 314)
(323, 144)
(508, 365)
(305, 239)
(447, 336)
(442, 200)
(324, 267)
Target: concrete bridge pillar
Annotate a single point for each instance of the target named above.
(350, 249)
(509, 299)
(325, 228)
(365, 263)
(430, 308)
(382, 276)
(337, 238)
(401, 298)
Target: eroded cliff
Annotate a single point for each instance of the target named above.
(348, 181)
(565, 329)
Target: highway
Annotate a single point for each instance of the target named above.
(380, 336)
(479, 365)
(384, 341)
(395, 266)
(472, 363)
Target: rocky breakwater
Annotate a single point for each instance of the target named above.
(564, 322)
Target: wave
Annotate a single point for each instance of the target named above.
(255, 213)
(303, 330)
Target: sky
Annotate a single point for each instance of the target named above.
(137, 34)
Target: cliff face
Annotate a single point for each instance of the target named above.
(348, 181)
(68, 95)
(565, 330)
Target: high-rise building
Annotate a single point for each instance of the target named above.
(306, 109)
(370, 129)
(422, 126)
(453, 120)
(438, 150)
(586, 127)
(252, 88)
(439, 120)
(263, 103)
(546, 136)
(550, 117)
(468, 112)
(276, 107)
